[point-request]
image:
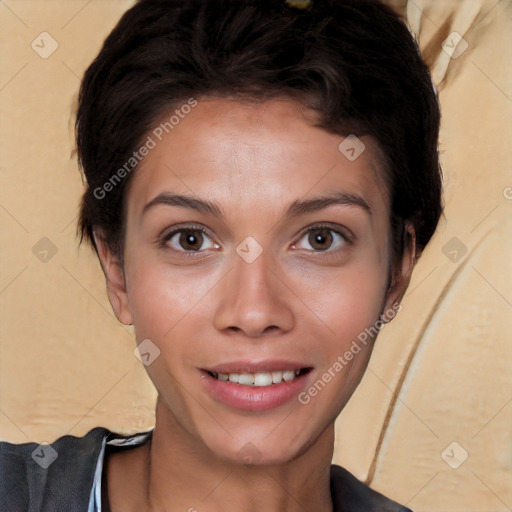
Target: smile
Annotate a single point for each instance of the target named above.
(256, 387)
(260, 379)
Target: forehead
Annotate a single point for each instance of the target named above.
(245, 155)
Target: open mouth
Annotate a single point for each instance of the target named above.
(260, 379)
(256, 386)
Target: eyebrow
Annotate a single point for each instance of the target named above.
(296, 208)
(302, 206)
(184, 201)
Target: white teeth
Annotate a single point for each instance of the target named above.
(246, 379)
(262, 379)
(277, 377)
(259, 379)
(288, 375)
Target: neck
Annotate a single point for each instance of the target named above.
(183, 475)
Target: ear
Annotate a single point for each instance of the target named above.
(116, 282)
(401, 272)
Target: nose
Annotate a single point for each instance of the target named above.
(253, 300)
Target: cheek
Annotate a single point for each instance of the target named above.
(165, 304)
(361, 300)
(347, 302)
(160, 297)
(349, 307)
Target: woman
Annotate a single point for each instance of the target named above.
(261, 179)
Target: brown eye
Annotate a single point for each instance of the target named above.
(320, 239)
(189, 240)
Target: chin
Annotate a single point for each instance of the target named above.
(260, 449)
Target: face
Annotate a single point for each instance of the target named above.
(255, 254)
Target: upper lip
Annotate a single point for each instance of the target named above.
(267, 365)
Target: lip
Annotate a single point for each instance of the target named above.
(257, 398)
(268, 365)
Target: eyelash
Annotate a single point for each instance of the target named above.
(163, 240)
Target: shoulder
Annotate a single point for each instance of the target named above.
(50, 477)
(350, 494)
